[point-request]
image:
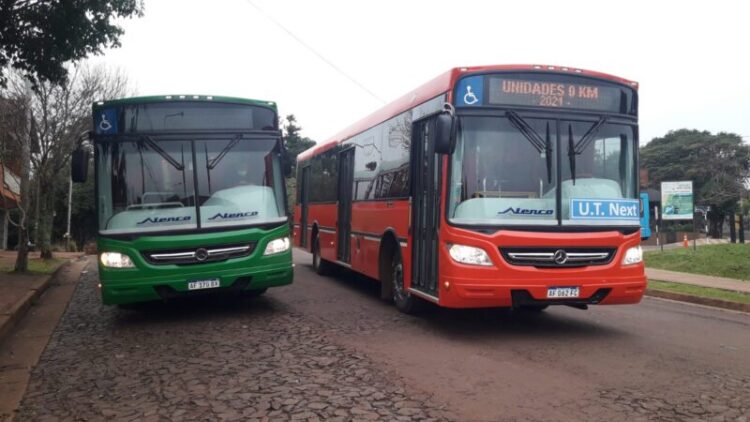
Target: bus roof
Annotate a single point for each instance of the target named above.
(177, 98)
(439, 85)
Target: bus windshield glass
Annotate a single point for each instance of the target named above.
(504, 171)
(148, 185)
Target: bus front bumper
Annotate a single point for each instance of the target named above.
(482, 293)
(162, 287)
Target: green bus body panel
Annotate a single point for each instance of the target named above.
(130, 285)
(176, 98)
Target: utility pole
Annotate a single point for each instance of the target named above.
(70, 205)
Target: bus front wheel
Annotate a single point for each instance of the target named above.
(404, 301)
(320, 265)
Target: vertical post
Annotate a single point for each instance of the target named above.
(4, 229)
(658, 227)
(695, 233)
(70, 205)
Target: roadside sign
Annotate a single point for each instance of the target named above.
(677, 200)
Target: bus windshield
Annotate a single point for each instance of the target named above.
(504, 171)
(148, 185)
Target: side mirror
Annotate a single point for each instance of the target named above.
(79, 165)
(443, 137)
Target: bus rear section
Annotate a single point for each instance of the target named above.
(519, 188)
(191, 198)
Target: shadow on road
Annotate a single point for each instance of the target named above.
(554, 322)
(213, 307)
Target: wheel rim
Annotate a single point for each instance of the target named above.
(398, 282)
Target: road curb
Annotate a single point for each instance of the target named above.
(705, 301)
(18, 311)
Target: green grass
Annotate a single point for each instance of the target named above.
(730, 260)
(699, 291)
(36, 266)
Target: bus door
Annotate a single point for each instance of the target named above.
(425, 193)
(304, 203)
(346, 180)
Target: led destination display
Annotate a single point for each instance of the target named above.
(536, 93)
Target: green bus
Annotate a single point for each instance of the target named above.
(190, 197)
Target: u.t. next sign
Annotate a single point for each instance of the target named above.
(605, 209)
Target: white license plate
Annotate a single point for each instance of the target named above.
(561, 292)
(204, 284)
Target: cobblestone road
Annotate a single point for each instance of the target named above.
(326, 348)
(250, 359)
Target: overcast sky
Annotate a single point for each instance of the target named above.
(691, 58)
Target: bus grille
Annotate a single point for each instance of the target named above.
(214, 253)
(558, 257)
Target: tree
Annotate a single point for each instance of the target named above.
(718, 165)
(295, 144)
(57, 116)
(15, 152)
(37, 38)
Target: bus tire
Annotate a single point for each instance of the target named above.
(320, 265)
(404, 301)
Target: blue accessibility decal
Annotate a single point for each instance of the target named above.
(605, 209)
(105, 121)
(470, 91)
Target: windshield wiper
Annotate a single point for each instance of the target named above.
(536, 141)
(154, 146)
(571, 154)
(578, 147)
(215, 162)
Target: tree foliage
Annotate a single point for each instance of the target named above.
(718, 165)
(54, 117)
(295, 144)
(37, 37)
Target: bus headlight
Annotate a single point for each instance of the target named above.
(277, 246)
(469, 255)
(116, 260)
(632, 256)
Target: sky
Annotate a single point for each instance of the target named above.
(345, 59)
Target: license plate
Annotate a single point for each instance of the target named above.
(204, 284)
(562, 292)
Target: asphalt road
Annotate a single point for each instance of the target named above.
(327, 347)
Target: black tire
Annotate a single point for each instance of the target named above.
(320, 265)
(253, 292)
(404, 301)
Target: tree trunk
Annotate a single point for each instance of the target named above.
(45, 225)
(22, 259)
(715, 226)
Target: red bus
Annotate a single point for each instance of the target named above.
(494, 186)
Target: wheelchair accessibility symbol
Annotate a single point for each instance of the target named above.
(104, 124)
(469, 97)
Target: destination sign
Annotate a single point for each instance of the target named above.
(540, 93)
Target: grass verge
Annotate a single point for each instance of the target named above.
(730, 260)
(36, 265)
(700, 291)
